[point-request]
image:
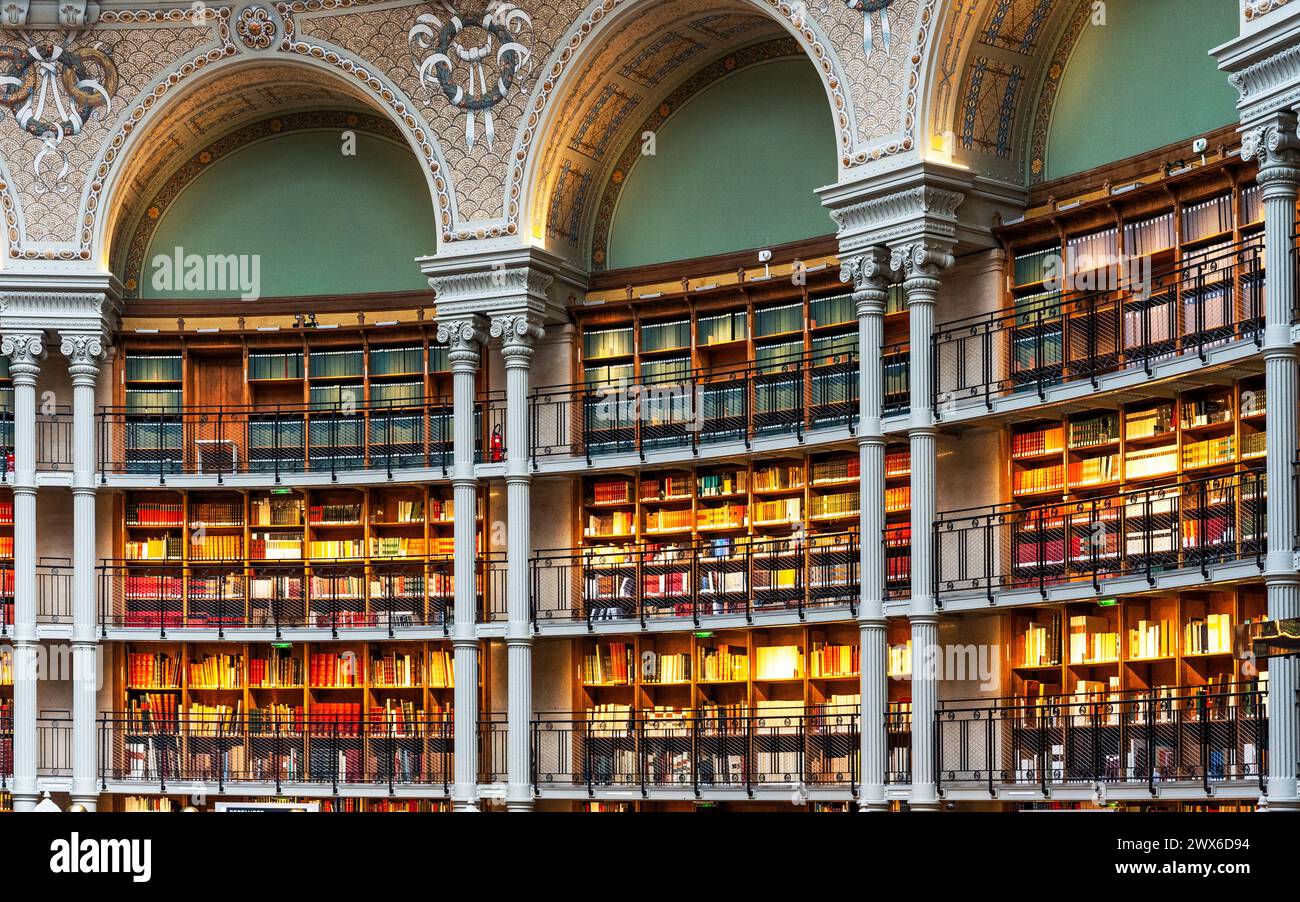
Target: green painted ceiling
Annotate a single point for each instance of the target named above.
(321, 221)
(735, 168)
(1142, 80)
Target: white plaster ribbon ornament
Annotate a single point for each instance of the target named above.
(485, 45)
(53, 90)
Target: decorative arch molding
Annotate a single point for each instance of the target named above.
(587, 36)
(1047, 93)
(285, 47)
(700, 81)
(201, 162)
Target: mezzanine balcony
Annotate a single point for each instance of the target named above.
(775, 402)
(1125, 334)
(285, 752)
(795, 752)
(407, 597)
(1176, 742)
(1183, 533)
(674, 585)
(310, 442)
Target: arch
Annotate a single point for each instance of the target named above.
(746, 144)
(249, 194)
(124, 154)
(596, 34)
(1179, 94)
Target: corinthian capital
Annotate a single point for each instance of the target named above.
(517, 331)
(25, 351)
(871, 275)
(1273, 144)
(85, 352)
(464, 339)
(922, 259)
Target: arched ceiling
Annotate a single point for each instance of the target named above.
(216, 108)
(638, 74)
(994, 79)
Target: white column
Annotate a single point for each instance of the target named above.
(25, 351)
(84, 353)
(518, 333)
(870, 275)
(465, 339)
(921, 263)
(1274, 144)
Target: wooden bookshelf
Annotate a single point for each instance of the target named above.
(718, 671)
(1139, 643)
(366, 555)
(1207, 431)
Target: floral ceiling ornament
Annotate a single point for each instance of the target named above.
(483, 46)
(256, 27)
(53, 90)
(868, 8)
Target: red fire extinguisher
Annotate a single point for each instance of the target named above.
(498, 451)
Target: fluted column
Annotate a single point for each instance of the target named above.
(1274, 144)
(25, 351)
(464, 339)
(921, 262)
(84, 353)
(870, 274)
(518, 333)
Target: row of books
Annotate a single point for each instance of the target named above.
(216, 672)
(1094, 470)
(665, 667)
(898, 498)
(664, 488)
(722, 663)
(899, 663)
(204, 547)
(832, 660)
(781, 510)
(721, 484)
(406, 511)
(1037, 479)
(837, 505)
(839, 469)
(1151, 639)
(1095, 430)
(1037, 441)
(276, 511)
(1211, 634)
(1092, 641)
(150, 670)
(216, 513)
(141, 514)
(608, 663)
(160, 548)
(780, 477)
(1220, 450)
(335, 513)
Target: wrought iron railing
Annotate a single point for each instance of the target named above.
(1192, 523)
(158, 749)
(53, 593)
(54, 746)
(1070, 336)
(791, 748)
(790, 395)
(397, 594)
(692, 579)
(6, 747)
(286, 439)
(1206, 735)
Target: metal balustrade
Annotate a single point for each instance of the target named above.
(398, 594)
(694, 579)
(788, 396)
(1189, 524)
(53, 592)
(6, 747)
(1066, 337)
(790, 748)
(1206, 736)
(493, 746)
(289, 439)
(296, 749)
(54, 746)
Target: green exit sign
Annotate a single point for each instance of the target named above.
(1107, 602)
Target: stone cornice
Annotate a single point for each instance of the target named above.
(1264, 67)
(915, 203)
(496, 282)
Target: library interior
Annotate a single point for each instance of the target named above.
(650, 405)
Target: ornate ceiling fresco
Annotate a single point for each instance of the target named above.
(519, 112)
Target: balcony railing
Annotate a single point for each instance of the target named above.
(789, 396)
(786, 749)
(398, 594)
(6, 749)
(53, 594)
(294, 749)
(690, 580)
(1189, 524)
(1065, 338)
(1184, 734)
(287, 439)
(54, 746)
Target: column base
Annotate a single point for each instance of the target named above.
(925, 800)
(90, 803)
(519, 806)
(25, 801)
(873, 800)
(459, 805)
